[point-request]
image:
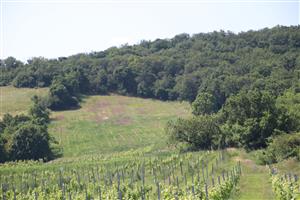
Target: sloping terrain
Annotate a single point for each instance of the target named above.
(106, 124)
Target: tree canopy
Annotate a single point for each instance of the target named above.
(25, 137)
(183, 67)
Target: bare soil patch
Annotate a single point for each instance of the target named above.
(141, 110)
(117, 110)
(99, 106)
(125, 120)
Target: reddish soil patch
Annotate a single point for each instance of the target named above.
(117, 110)
(245, 161)
(141, 110)
(123, 102)
(100, 105)
(123, 120)
(99, 118)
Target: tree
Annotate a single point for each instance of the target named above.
(281, 147)
(31, 141)
(125, 78)
(25, 79)
(60, 98)
(290, 100)
(204, 104)
(39, 111)
(201, 132)
(98, 83)
(187, 87)
(12, 63)
(11, 123)
(219, 63)
(3, 155)
(255, 115)
(145, 86)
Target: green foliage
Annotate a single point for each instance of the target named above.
(281, 147)
(30, 141)
(204, 104)
(39, 111)
(283, 188)
(252, 117)
(60, 97)
(291, 101)
(2, 150)
(201, 132)
(138, 176)
(247, 119)
(219, 63)
(125, 78)
(25, 137)
(187, 87)
(25, 79)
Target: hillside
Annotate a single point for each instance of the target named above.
(16, 101)
(204, 116)
(114, 124)
(103, 124)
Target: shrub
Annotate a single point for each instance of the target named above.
(60, 98)
(281, 147)
(30, 141)
(201, 132)
(253, 117)
(39, 111)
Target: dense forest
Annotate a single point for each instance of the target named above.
(240, 85)
(219, 63)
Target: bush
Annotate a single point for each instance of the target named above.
(201, 132)
(25, 137)
(39, 111)
(204, 104)
(60, 98)
(30, 141)
(25, 79)
(280, 148)
(253, 117)
(2, 151)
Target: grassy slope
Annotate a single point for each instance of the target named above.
(103, 124)
(108, 124)
(15, 101)
(255, 180)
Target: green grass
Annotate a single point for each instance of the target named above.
(106, 124)
(103, 124)
(15, 101)
(255, 182)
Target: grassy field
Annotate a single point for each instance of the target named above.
(14, 100)
(106, 124)
(103, 124)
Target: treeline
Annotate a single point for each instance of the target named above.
(220, 64)
(26, 137)
(253, 119)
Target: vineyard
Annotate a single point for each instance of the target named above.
(285, 186)
(205, 175)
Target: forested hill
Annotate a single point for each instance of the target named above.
(220, 63)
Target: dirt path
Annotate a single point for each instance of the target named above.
(254, 183)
